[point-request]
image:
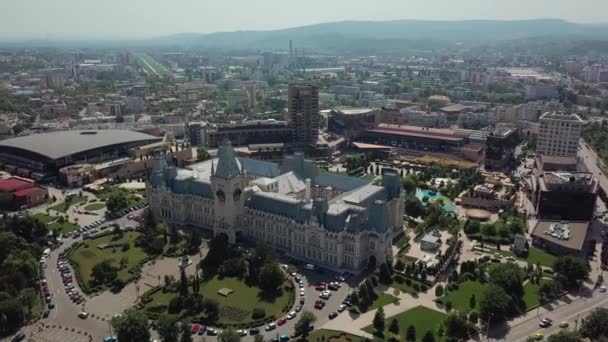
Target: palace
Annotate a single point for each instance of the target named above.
(331, 220)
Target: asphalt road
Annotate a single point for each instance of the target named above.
(571, 312)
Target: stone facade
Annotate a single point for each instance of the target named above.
(347, 225)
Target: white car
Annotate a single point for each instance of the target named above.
(302, 292)
(83, 314)
(242, 332)
(271, 326)
(602, 288)
(291, 315)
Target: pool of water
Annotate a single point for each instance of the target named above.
(433, 196)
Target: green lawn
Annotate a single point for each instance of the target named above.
(326, 335)
(95, 206)
(461, 297)
(534, 256)
(64, 206)
(382, 300)
(88, 255)
(407, 285)
(44, 218)
(52, 223)
(133, 198)
(422, 318)
(63, 227)
(531, 297)
(237, 307)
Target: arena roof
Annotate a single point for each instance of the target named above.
(55, 145)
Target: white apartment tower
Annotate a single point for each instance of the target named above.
(559, 134)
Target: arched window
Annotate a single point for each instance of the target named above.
(236, 195)
(220, 195)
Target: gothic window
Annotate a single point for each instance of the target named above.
(236, 195)
(220, 195)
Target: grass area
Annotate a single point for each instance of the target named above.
(531, 297)
(535, 256)
(401, 241)
(95, 206)
(326, 335)
(461, 298)
(422, 318)
(382, 300)
(237, 307)
(64, 206)
(44, 218)
(89, 254)
(407, 285)
(63, 227)
(133, 198)
(52, 223)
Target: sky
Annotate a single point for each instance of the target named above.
(153, 18)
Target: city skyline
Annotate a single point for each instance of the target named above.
(137, 19)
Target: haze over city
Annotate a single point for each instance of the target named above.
(145, 19)
(303, 171)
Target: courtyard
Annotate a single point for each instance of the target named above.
(422, 318)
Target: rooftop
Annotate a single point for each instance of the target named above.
(555, 232)
(55, 145)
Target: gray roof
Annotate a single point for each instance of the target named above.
(55, 145)
(340, 182)
(228, 166)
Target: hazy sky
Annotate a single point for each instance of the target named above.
(147, 18)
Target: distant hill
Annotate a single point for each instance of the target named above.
(393, 35)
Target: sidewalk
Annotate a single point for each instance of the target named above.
(353, 325)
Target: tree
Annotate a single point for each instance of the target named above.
(439, 291)
(510, 277)
(385, 274)
(495, 304)
(409, 185)
(186, 333)
(167, 328)
(183, 283)
(472, 301)
(571, 271)
(202, 154)
(229, 335)
(410, 335)
(394, 327)
(379, 321)
(132, 327)
(457, 326)
(117, 201)
(104, 272)
(413, 207)
(428, 337)
(271, 278)
(304, 324)
(565, 336)
(595, 325)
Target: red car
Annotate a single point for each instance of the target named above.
(195, 328)
(320, 287)
(281, 321)
(318, 306)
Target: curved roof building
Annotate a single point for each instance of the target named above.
(43, 154)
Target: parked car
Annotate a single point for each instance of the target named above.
(281, 321)
(333, 315)
(195, 328)
(270, 326)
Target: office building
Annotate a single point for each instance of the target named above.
(248, 132)
(195, 133)
(500, 149)
(559, 134)
(303, 107)
(338, 222)
(562, 195)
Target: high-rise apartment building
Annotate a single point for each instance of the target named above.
(303, 106)
(559, 134)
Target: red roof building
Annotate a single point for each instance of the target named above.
(24, 192)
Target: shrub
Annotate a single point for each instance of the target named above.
(473, 317)
(125, 246)
(258, 313)
(439, 290)
(176, 305)
(448, 305)
(399, 279)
